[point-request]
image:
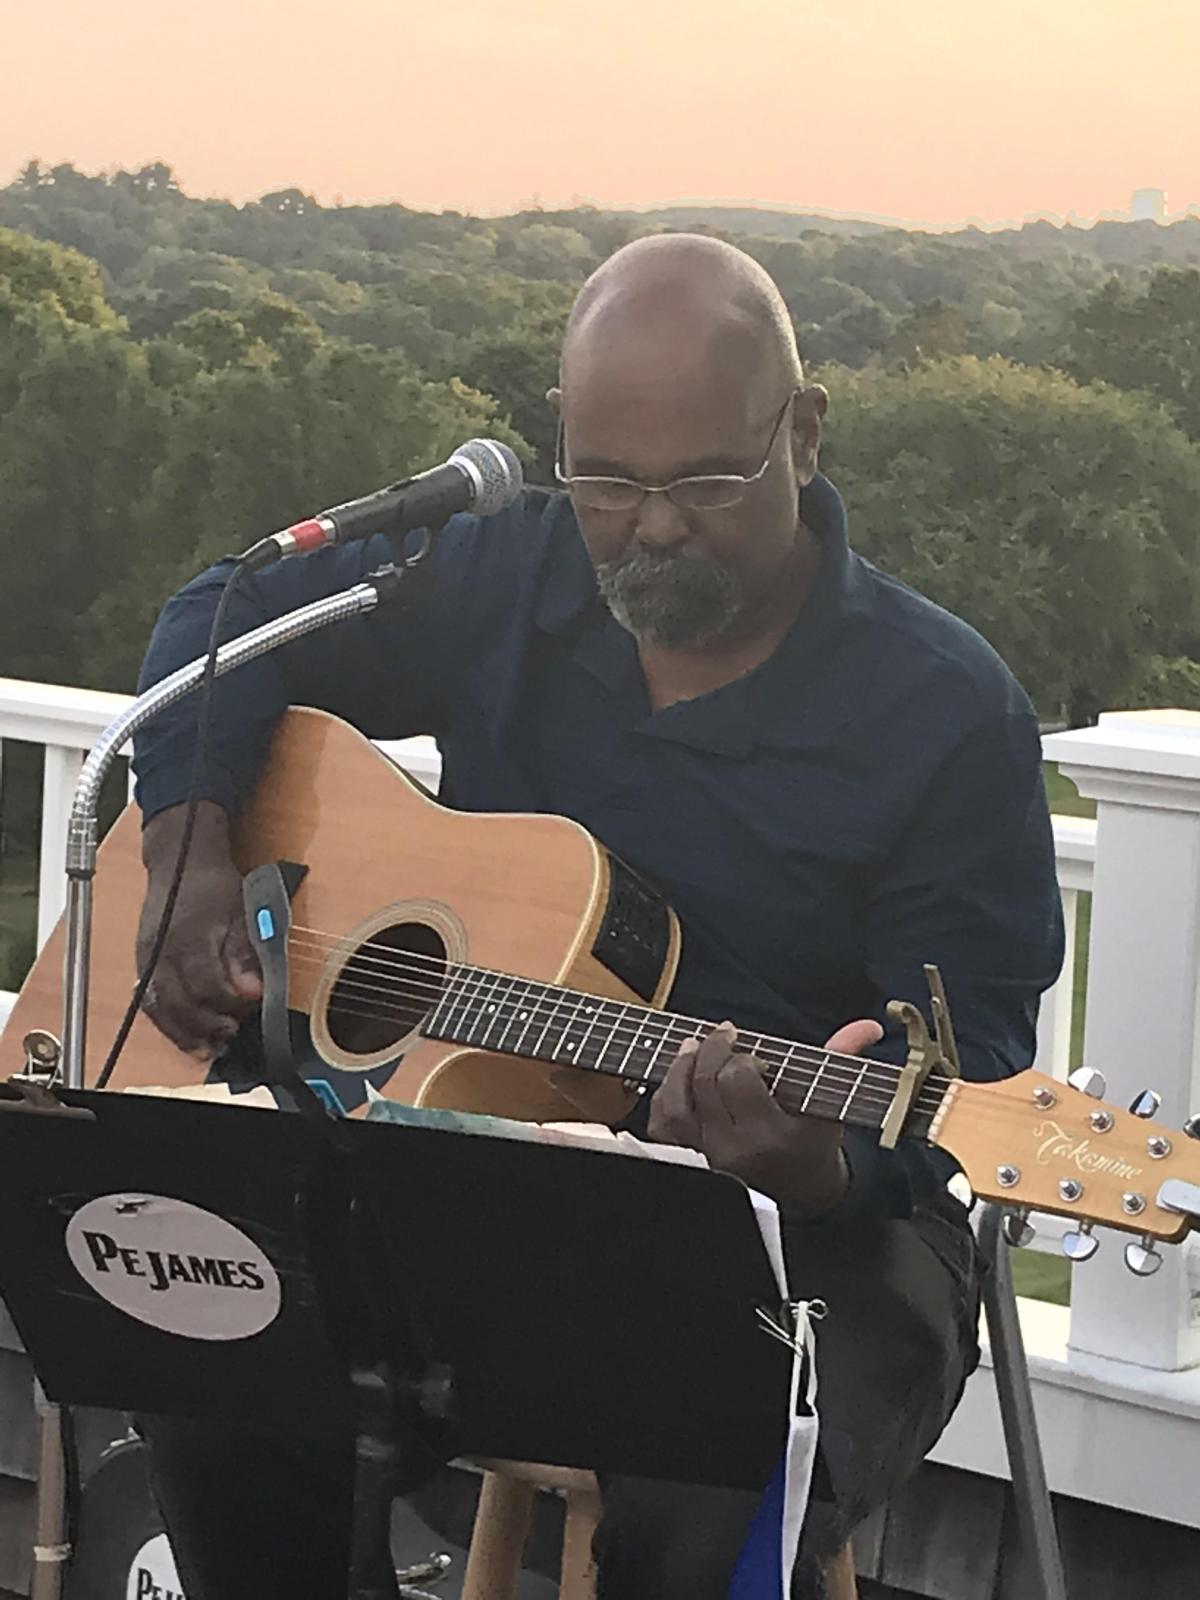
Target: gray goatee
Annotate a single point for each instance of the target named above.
(671, 601)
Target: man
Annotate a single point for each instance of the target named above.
(832, 781)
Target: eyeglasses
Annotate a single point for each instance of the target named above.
(709, 492)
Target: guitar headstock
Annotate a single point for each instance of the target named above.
(1036, 1143)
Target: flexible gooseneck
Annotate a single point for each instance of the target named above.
(82, 826)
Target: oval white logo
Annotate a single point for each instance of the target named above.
(173, 1266)
(152, 1575)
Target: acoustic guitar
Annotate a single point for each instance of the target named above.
(511, 965)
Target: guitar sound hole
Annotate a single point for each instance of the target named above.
(387, 988)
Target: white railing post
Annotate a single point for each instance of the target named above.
(1075, 855)
(61, 767)
(66, 722)
(1057, 1010)
(1141, 1030)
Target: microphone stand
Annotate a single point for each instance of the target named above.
(82, 840)
(52, 1548)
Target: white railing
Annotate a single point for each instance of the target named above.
(1117, 1374)
(66, 723)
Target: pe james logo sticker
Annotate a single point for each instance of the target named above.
(173, 1266)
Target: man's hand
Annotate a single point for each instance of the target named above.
(717, 1102)
(207, 978)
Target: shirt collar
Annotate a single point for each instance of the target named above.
(767, 705)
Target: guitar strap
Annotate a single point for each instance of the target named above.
(267, 897)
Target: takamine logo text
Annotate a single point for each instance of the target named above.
(1056, 1145)
(173, 1266)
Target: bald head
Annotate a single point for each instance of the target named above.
(680, 378)
(693, 301)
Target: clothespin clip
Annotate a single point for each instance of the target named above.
(794, 1317)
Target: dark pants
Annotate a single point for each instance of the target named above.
(268, 1518)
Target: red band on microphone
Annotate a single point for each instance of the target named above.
(312, 534)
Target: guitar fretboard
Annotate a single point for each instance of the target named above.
(543, 1022)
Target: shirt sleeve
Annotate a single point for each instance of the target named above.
(391, 673)
(970, 886)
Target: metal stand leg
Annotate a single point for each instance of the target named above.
(1035, 1514)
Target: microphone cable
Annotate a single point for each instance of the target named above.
(199, 759)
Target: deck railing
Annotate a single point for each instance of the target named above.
(1117, 1373)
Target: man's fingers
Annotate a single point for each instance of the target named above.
(744, 1094)
(855, 1037)
(241, 965)
(190, 1025)
(672, 1110)
(713, 1054)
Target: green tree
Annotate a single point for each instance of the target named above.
(1142, 338)
(81, 433)
(252, 446)
(519, 367)
(1061, 521)
(1172, 681)
(932, 332)
(39, 273)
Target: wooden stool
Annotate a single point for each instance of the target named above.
(502, 1524)
(841, 1583)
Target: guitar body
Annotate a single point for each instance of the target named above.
(395, 884)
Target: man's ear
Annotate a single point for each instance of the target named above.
(808, 413)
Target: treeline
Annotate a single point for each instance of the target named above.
(1015, 418)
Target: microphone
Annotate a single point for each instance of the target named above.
(483, 476)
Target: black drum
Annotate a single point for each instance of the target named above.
(121, 1552)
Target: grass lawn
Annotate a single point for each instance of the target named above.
(1042, 1277)
(18, 917)
(1064, 797)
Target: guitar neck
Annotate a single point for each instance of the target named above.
(542, 1022)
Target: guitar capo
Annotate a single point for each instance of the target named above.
(926, 1053)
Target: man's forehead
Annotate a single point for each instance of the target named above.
(661, 432)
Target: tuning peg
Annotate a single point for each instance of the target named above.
(1142, 1259)
(1146, 1104)
(1192, 1126)
(1079, 1245)
(1088, 1081)
(1018, 1229)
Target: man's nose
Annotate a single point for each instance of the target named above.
(660, 523)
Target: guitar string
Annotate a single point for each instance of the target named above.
(440, 971)
(547, 1009)
(475, 988)
(864, 1085)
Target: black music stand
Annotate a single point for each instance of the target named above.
(442, 1294)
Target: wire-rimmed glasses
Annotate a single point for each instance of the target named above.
(710, 491)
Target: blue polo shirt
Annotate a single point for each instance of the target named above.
(867, 800)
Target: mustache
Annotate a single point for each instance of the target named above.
(660, 563)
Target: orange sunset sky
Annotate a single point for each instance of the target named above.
(928, 110)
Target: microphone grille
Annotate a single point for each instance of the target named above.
(494, 471)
